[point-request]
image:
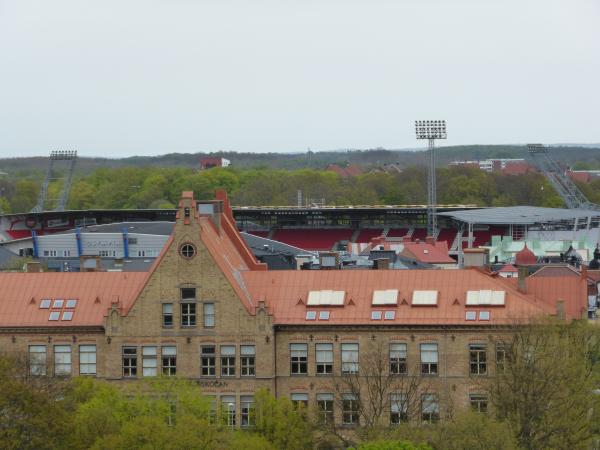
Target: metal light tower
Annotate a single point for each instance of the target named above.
(431, 130)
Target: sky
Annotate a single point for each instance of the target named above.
(120, 78)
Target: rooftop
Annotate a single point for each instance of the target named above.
(523, 215)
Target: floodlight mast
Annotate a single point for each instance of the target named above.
(431, 130)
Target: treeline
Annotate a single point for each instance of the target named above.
(150, 187)
(542, 395)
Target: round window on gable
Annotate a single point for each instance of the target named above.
(187, 250)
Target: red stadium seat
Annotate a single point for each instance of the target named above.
(367, 234)
(313, 239)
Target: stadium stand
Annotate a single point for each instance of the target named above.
(397, 232)
(313, 239)
(419, 233)
(260, 233)
(448, 235)
(366, 234)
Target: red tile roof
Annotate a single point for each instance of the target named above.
(508, 268)
(286, 293)
(436, 253)
(95, 292)
(525, 257)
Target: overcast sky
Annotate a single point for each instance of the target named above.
(118, 78)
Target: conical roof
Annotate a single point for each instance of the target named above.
(525, 257)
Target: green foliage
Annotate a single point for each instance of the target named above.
(392, 445)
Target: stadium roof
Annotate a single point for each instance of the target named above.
(525, 215)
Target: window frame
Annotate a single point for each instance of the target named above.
(350, 367)
(247, 411)
(247, 361)
(350, 410)
(168, 360)
(84, 350)
(429, 368)
(129, 369)
(227, 361)
(432, 416)
(205, 361)
(166, 314)
(67, 367)
(398, 364)
(399, 414)
(205, 316)
(189, 317)
(298, 363)
(42, 365)
(325, 408)
(147, 359)
(324, 367)
(478, 359)
(478, 402)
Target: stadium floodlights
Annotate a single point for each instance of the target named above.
(63, 154)
(536, 148)
(430, 129)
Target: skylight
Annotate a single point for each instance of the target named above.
(326, 298)
(67, 315)
(311, 315)
(54, 315)
(375, 315)
(484, 315)
(389, 315)
(45, 303)
(323, 315)
(470, 315)
(71, 303)
(385, 297)
(58, 303)
(486, 297)
(425, 298)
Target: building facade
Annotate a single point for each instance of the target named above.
(208, 311)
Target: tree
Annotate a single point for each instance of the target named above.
(377, 392)
(544, 387)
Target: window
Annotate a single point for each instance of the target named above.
(188, 314)
(429, 359)
(132, 241)
(169, 360)
(375, 315)
(212, 409)
(501, 349)
(62, 360)
(67, 315)
(66, 253)
(71, 303)
(188, 251)
(310, 315)
(208, 361)
(58, 303)
(484, 315)
(349, 409)
(477, 359)
(470, 315)
(209, 315)
(398, 359)
(87, 360)
(389, 315)
(228, 360)
(398, 408)
(478, 402)
(129, 361)
(323, 315)
(228, 409)
(325, 408)
(248, 360)
(299, 401)
(349, 358)
(430, 408)
(324, 356)
(54, 315)
(188, 293)
(149, 365)
(37, 360)
(247, 410)
(299, 359)
(45, 303)
(167, 311)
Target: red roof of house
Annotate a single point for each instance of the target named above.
(582, 177)
(517, 168)
(436, 253)
(508, 268)
(345, 172)
(525, 257)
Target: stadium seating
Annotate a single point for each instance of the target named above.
(448, 235)
(419, 233)
(260, 233)
(397, 232)
(19, 234)
(365, 235)
(313, 239)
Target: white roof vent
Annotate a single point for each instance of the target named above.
(425, 298)
(486, 297)
(386, 297)
(326, 298)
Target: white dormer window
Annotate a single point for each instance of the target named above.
(425, 298)
(385, 297)
(486, 297)
(326, 298)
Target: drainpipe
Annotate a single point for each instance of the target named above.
(125, 244)
(36, 251)
(79, 245)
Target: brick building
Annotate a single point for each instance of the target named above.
(208, 311)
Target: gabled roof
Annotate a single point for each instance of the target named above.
(508, 268)
(434, 253)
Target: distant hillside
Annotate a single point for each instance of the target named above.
(568, 155)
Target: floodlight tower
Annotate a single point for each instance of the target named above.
(431, 130)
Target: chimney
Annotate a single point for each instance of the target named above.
(522, 281)
(430, 240)
(381, 264)
(560, 309)
(584, 272)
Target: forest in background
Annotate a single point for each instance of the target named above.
(274, 179)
